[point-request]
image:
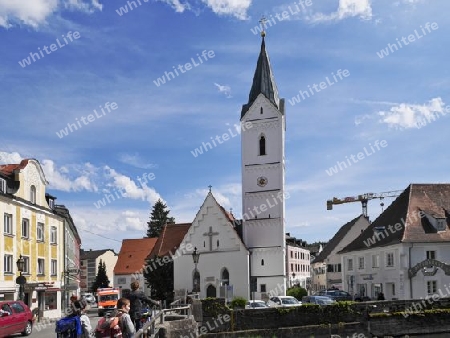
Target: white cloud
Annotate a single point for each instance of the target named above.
(236, 8)
(177, 5)
(224, 89)
(10, 158)
(35, 12)
(407, 115)
(347, 8)
(136, 161)
(130, 189)
(59, 180)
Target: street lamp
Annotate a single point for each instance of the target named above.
(21, 280)
(293, 277)
(195, 257)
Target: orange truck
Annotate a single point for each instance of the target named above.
(107, 300)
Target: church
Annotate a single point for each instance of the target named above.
(247, 257)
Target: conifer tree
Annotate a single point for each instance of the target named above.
(101, 280)
(158, 218)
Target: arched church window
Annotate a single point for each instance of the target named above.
(262, 145)
(33, 194)
(204, 244)
(261, 110)
(262, 261)
(225, 277)
(217, 243)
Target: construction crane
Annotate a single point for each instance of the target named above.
(364, 198)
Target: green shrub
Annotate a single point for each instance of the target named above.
(297, 292)
(238, 302)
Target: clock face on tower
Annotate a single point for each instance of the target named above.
(262, 181)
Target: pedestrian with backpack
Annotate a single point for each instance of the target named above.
(136, 299)
(119, 324)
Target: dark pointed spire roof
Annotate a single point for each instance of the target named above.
(263, 81)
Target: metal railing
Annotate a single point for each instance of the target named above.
(149, 330)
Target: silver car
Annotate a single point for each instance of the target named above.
(283, 301)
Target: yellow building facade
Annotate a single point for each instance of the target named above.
(31, 230)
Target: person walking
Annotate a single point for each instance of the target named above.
(136, 298)
(125, 323)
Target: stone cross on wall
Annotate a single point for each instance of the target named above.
(210, 234)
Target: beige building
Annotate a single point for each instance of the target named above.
(326, 269)
(34, 232)
(89, 260)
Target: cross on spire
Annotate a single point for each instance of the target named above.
(210, 186)
(210, 234)
(263, 25)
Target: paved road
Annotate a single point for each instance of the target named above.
(47, 330)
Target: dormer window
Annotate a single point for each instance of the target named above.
(262, 145)
(441, 224)
(2, 185)
(51, 203)
(33, 194)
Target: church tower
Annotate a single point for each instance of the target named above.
(263, 131)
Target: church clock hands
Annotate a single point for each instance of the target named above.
(262, 181)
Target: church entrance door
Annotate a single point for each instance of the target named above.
(211, 291)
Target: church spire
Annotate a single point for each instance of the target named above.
(263, 80)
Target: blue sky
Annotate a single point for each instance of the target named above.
(116, 60)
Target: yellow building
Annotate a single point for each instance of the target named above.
(31, 230)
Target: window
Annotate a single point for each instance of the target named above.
(225, 277)
(361, 263)
(8, 264)
(40, 232)
(54, 267)
(2, 185)
(121, 280)
(262, 287)
(350, 264)
(291, 254)
(8, 225)
(33, 194)
(51, 203)
(337, 268)
(217, 243)
(375, 261)
(261, 110)
(53, 235)
(41, 266)
(330, 268)
(262, 261)
(51, 300)
(26, 265)
(431, 287)
(390, 259)
(17, 307)
(262, 145)
(25, 228)
(431, 254)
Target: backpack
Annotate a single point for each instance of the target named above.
(109, 327)
(69, 327)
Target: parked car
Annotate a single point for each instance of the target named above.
(256, 304)
(319, 300)
(337, 295)
(362, 299)
(15, 317)
(283, 301)
(89, 298)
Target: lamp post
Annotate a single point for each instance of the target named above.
(293, 277)
(21, 280)
(195, 257)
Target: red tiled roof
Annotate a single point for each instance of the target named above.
(132, 255)
(170, 239)
(8, 169)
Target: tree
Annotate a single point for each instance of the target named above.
(158, 218)
(297, 292)
(158, 274)
(101, 280)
